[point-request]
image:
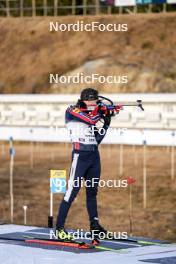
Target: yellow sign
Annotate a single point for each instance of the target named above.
(58, 174)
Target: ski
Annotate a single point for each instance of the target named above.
(130, 240)
(73, 244)
(95, 244)
(67, 242)
(52, 242)
(78, 244)
(140, 242)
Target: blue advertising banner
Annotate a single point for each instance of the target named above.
(158, 1)
(143, 2)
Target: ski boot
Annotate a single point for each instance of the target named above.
(62, 234)
(97, 231)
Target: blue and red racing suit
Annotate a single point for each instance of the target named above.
(85, 160)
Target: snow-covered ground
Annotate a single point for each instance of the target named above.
(18, 254)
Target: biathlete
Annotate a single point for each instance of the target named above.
(83, 117)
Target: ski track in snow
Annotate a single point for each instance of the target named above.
(16, 254)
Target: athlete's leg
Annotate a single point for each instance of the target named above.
(77, 171)
(93, 176)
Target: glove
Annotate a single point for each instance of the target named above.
(118, 108)
(107, 118)
(103, 110)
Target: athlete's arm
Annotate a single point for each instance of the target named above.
(77, 114)
(99, 136)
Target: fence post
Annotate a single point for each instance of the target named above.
(130, 181)
(3, 149)
(25, 214)
(144, 175)
(173, 156)
(31, 151)
(50, 217)
(21, 8)
(109, 10)
(97, 7)
(33, 8)
(164, 7)
(135, 155)
(150, 8)
(84, 7)
(73, 7)
(45, 7)
(55, 7)
(135, 9)
(31, 155)
(121, 150)
(120, 10)
(121, 159)
(7, 8)
(12, 153)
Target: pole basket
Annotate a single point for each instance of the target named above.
(50, 221)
